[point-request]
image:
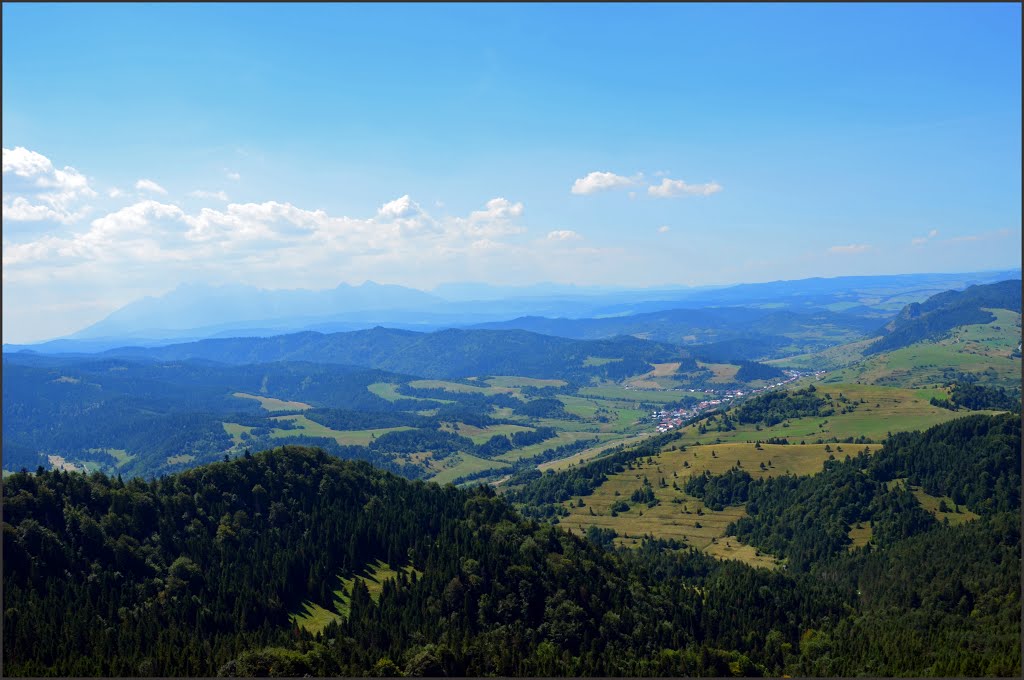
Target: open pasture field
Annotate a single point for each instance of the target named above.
(518, 381)
(592, 452)
(344, 437)
(724, 373)
(943, 508)
(619, 393)
(562, 439)
(387, 391)
(460, 464)
(827, 359)
(681, 516)
(271, 404)
(235, 431)
(986, 350)
(479, 435)
(459, 387)
(884, 410)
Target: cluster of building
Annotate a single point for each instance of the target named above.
(670, 419)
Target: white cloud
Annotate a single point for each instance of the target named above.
(497, 209)
(849, 249)
(664, 229)
(151, 186)
(402, 207)
(921, 240)
(233, 176)
(677, 187)
(114, 192)
(600, 181)
(218, 195)
(34, 190)
(564, 235)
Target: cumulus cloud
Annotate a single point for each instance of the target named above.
(35, 190)
(218, 195)
(151, 186)
(664, 229)
(676, 187)
(497, 209)
(564, 235)
(600, 181)
(233, 176)
(849, 249)
(402, 207)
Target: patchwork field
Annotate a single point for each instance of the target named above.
(479, 435)
(883, 410)
(460, 464)
(518, 381)
(985, 350)
(459, 387)
(681, 516)
(344, 437)
(271, 404)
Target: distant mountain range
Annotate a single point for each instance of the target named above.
(198, 311)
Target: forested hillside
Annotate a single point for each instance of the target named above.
(450, 353)
(209, 571)
(940, 313)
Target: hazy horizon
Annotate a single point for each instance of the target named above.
(649, 146)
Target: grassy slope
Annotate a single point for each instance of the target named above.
(680, 520)
(272, 404)
(314, 618)
(886, 409)
(981, 349)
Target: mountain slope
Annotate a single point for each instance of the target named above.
(197, 306)
(444, 354)
(219, 570)
(940, 313)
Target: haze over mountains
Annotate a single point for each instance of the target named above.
(198, 311)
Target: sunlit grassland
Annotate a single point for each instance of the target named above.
(309, 428)
(459, 387)
(600, 361)
(272, 404)
(315, 618)
(592, 452)
(954, 514)
(689, 519)
(562, 439)
(460, 464)
(976, 348)
(884, 410)
(517, 381)
(724, 373)
(387, 391)
(121, 458)
(619, 393)
(479, 435)
(235, 431)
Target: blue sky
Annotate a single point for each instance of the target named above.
(308, 145)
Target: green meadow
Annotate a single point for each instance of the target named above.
(271, 404)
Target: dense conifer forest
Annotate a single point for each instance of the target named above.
(197, 573)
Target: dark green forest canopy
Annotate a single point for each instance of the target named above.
(196, 574)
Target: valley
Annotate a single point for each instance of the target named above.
(373, 471)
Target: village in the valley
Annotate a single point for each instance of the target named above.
(670, 419)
